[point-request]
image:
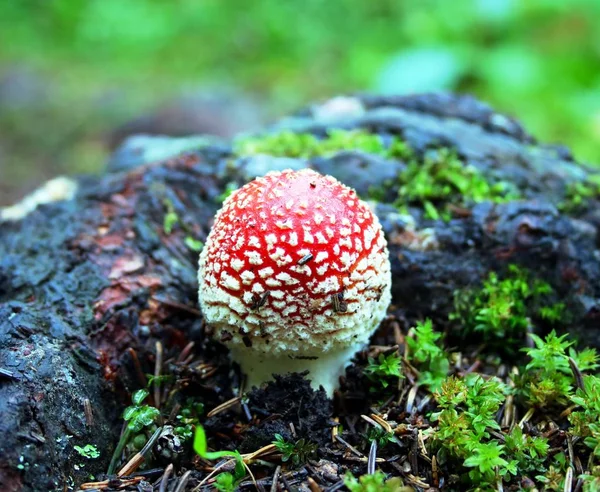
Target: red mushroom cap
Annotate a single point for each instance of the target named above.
(295, 262)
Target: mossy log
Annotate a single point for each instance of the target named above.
(89, 285)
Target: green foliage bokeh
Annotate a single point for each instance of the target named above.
(537, 59)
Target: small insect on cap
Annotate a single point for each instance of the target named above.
(295, 269)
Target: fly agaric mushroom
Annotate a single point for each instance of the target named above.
(294, 276)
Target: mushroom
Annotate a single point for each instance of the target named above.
(294, 276)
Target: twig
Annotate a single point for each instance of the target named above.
(104, 484)
(275, 479)
(87, 410)
(138, 370)
(138, 458)
(576, 374)
(224, 406)
(568, 480)
(178, 305)
(313, 486)
(335, 487)
(185, 352)
(349, 446)
(157, 369)
(7, 374)
(164, 481)
(372, 458)
(183, 482)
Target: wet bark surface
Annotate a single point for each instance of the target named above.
(89, 286)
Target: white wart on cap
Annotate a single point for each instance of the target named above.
(294, 275)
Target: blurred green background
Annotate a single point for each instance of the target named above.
(76, 76)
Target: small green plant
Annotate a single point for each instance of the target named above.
(376, 482)
(529, 452)
(298, 452)
(591, 480)
(554, 313)
(442, 179)
(159, 380)
(468, 411)
(171, 218)
(548, 378)
(225, 482)
(188, 418)
(137, 417)
(381, 436)
(425, 351)
(386, 370)
(88, 451)
(554, 478)
(586, 421)
(501, 310)
(487, 462)
(194, 244)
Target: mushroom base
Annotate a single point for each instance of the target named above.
(324, 370)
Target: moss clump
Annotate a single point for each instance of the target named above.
(578, 194)
(442, 179)
(425, 352)
(471, 435)
(307, 145)
(547, 381)
(384, 371)
(586, 420)
(435, 183)
(171, 218)
(501, 311)
(376, 482)
(467, 433)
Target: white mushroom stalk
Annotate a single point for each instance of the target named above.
(294, 276)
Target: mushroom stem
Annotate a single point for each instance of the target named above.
(324, 370)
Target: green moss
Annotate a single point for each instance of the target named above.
(376, 482)
(586, 421)
(171, 218)
(466, 420)
(435, 183)
(194, 244)
(578, 194)
(502, 309)
(468, 433)
(384, 371)
(425, 352)
(307, 145)
(376, 193)
(548, 381)
(297, 452)
(469, 439)
(442, 179)
(591, 480)
(88, 451)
